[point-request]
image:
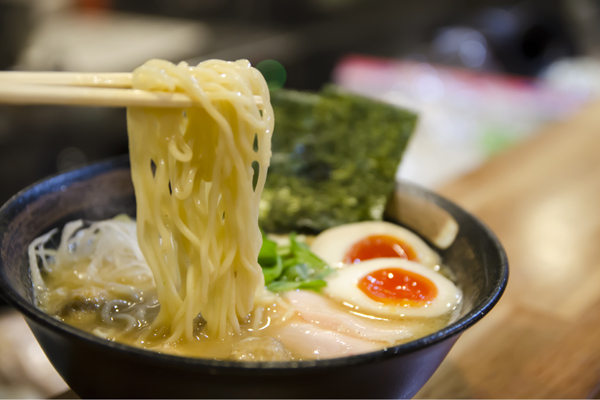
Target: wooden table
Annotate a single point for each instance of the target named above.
(542, 340)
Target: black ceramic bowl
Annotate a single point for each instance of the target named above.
(94, 367)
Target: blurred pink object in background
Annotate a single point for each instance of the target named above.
(465, 116)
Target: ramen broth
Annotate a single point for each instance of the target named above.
(88, 319)
(276, 330)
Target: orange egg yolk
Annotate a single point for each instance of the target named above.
(379, 246)
(395, 285)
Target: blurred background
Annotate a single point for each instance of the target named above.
(483, 75)
(532, 61)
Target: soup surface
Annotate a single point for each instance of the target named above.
(96, 279)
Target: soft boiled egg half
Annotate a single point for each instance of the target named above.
(392, 288)
(358, 242)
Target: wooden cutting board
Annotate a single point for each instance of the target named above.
(542, 340)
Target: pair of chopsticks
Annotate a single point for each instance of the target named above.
(84, 89)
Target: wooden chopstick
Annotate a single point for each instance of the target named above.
(100, 79)
(86, 96)
(78, 89)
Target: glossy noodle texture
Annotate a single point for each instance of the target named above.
(197, 210)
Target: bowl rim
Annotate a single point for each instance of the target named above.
(62, 180)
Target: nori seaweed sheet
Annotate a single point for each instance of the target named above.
(335, 157)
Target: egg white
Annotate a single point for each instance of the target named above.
(333, 244)
(342, 285)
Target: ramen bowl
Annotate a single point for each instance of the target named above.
(98, 368)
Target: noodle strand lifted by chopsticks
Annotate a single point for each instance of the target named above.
(197, 210)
